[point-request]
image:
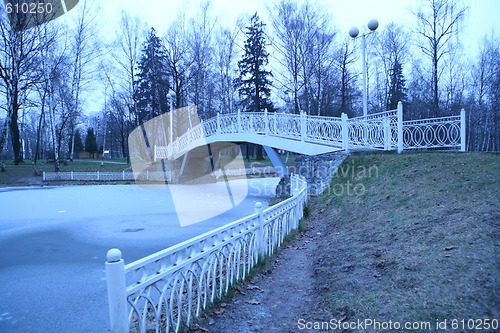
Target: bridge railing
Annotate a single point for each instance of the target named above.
(384, 130)
(168, 289)
(444, 132)
(378, 131)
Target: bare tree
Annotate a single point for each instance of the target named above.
(390, 47)
(288, 37)
(304, 42)
(200, 39)
(225, 58)
(20, 46)
(343, 60)
(484, 114)
(126, 53)
(84, 49)
(179, 59)
(54, 90)
(438, 22)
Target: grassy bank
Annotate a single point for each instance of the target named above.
(416, 239)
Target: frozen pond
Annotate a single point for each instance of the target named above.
(53, 244)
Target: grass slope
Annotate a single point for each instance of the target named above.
(416, 239)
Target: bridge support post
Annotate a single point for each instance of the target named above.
(345, 132)
(185, 160)
(275, 158)
(462, 131)
(400, 127)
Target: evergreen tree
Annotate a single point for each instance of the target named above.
(397, 89)
(253, 83)
(152, 83)
(90, 142)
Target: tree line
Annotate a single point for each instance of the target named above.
(296, 61)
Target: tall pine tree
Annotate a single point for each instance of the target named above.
(397, 89)
(253, 83)
(152, 84)
(91, 142)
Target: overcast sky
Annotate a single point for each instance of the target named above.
(160, 13)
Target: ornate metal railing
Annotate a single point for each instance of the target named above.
(384, 130)
(167, 290)
(432, 133)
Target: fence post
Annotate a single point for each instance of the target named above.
(400, 127)
(71, 175)
(123, 174)
(266, 122)
(43, 176)
(260, 235)
(117, 292)
(97, 175)
(218, 123)
(294, 184)
(345, 132)
(302, 126)
(462, 131)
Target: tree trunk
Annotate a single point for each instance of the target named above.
(16, 138)
(259, 154)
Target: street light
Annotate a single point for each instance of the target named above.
(354, 32)
(171, 96)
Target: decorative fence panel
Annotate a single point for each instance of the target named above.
(324, 130)
(442, 132)
(167, 290)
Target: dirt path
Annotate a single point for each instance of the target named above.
(274, 300)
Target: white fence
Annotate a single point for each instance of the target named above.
(165, 291)
(109, 176)
(152, 176)
(385, 130)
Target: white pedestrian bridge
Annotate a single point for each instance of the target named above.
(314, 135)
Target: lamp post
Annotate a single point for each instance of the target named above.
(354, 32)
(171, 96)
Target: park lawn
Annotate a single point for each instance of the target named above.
(22, 174)
(416, 238)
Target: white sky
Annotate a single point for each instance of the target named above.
(480, 19)
(160, 13)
